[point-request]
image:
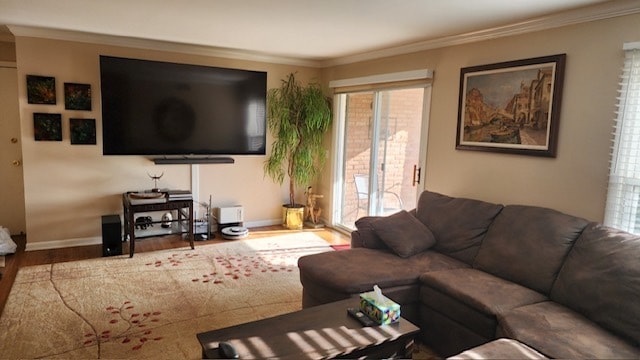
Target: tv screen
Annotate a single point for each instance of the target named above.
(161, 108)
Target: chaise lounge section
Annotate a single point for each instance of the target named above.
(468, 272)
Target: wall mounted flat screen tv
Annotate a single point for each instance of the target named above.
(160, 108)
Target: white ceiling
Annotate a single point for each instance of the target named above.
(319, 30)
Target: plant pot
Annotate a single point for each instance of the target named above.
(293, 216)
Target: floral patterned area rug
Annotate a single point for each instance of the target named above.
(154, 304)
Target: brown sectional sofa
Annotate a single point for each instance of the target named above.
(468, 272)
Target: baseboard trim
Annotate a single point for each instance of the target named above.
(59, 244)
(260, 223)
(97, 240)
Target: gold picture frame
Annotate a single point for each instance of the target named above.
(511, 107)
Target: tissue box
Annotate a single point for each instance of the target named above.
(383, 312)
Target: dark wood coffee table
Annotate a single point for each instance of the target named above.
(319, 332)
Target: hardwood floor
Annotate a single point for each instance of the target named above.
(23, 258)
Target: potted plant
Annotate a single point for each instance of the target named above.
(298, 117)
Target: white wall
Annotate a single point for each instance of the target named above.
(68, 187)
(575, 181)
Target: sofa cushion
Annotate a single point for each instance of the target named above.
(527, 245)
(445, 336)
(473, 297)
(365, 234)
(458, 224)
(404, 234)
(558, 332)
(601, 279)
(357, 270)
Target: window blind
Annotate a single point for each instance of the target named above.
(623, 198)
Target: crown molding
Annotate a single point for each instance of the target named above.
(593, 13)
(597, 12)
(8, 64)
(148, 44)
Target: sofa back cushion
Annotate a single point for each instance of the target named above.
(527, 245)
(458, 224)
(404, 234)
(601, 279)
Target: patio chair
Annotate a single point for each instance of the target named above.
(362, 194)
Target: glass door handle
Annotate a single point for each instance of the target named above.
(416, 175)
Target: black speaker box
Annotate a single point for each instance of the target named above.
(111, 235)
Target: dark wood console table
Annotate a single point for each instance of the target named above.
(177, 225)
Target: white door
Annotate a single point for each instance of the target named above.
(12, 214)
(381, 152)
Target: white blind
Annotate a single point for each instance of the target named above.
(623, 197)
(421, 77)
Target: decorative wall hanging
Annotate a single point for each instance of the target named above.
(47, 127)
(511, 107)
(41, 90)
(83, 131)
(77, 96)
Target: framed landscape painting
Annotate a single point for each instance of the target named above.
(511, 107)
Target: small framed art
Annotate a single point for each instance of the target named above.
(77, 96)
(47, 127)
(82, 131)
(41, 90)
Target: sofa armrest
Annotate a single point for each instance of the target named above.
(356, 239)
(365, 236)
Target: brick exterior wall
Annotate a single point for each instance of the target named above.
(403, 110)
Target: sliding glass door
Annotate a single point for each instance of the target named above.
(380, 154)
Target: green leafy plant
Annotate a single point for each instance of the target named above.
(298, 117)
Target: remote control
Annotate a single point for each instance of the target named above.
(361, 317)
(227, 351)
